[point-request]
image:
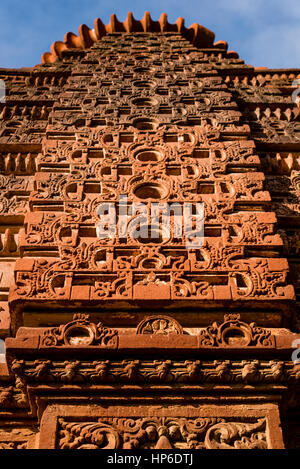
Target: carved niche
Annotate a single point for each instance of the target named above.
(235, 333)
(80, 333)
(159, 324)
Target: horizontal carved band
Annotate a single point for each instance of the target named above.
(81, 332)
(163, 433)
(148, 372)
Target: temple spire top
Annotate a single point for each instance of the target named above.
(198, 35)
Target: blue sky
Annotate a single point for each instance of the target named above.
(263, 32)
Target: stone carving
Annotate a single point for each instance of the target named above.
(13, 445)
(249, 278)
(157, 113)
(88, 436)
(235, 333)
(159, 325)
(197, 34)
(162, 136)
(80, 333)
(17, 438)
(162, 433)
(237, 435)
(13, 396)
(227, 372)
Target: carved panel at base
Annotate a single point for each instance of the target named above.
(141, 426)
(163, 433)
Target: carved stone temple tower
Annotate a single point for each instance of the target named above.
(129, 341)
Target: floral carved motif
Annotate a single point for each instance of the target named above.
(237, 435)
(162, 433)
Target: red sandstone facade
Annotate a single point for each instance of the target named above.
(130, 343)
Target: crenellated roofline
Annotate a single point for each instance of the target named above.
(198, 35)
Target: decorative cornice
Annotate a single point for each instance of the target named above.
(154, 334)
(136, 371)
(198, 35)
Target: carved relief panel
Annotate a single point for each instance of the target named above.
(165, 427)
